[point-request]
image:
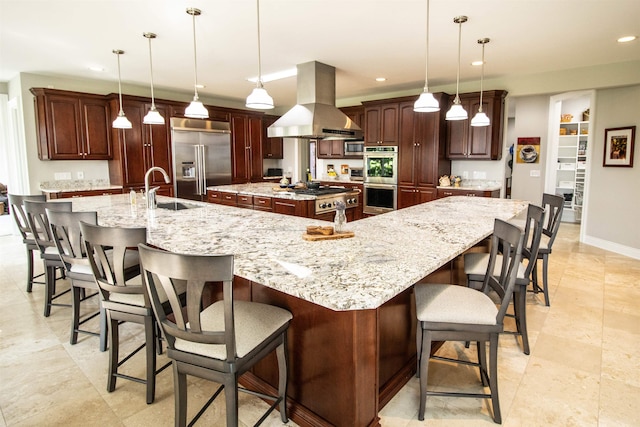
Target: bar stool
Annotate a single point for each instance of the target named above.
(114, 261)
(220, 342)
(39, 224)
(16, 204)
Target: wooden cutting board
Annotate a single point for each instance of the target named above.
(316, 237)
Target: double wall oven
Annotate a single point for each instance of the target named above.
(380, 179)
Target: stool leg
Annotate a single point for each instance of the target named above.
(75, 314)
(150, 349)
(50, 283)
(29, 269)
(545, 278)
(113, 352)
(281, 354)
(103, 328)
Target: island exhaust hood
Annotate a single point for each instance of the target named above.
(315, 115)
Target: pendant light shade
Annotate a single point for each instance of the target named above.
(426, 103)
(457, 112)
(259, 98)
(196, 109)
(153, 117)
(121, 122)
(481, 119)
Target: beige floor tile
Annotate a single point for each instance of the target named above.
(584, 367)
(618, 404)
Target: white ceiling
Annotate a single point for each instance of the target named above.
(363, 39)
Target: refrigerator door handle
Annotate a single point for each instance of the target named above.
(197, 161)
(203, 169)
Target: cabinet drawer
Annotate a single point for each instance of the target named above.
(469, 193)
(245, 201)
(262, 203)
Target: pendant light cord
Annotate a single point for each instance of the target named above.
(120, 86)
(426, 66)
(195, 59)
(153, 102)
(481, 77)
(457, 100)
(259, 82)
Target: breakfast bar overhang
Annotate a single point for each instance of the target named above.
(352, 338)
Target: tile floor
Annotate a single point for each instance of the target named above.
(584, 367)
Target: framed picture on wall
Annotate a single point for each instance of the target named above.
(618, 146)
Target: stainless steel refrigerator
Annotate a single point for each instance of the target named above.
(201, 156)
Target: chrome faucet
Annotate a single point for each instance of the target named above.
(151, 194)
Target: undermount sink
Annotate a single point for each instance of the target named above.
(176, 206)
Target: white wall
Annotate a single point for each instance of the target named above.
(531, 120)
(614, 192)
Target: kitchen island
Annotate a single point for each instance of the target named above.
(351, 341)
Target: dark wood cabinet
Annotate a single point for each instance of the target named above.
(86, 193)
(453, 191)
(292, 207)
(272, 148)
(330, 149)
(480, 143)
(246, 148)
(421, 152)
(222, 198)
(72, 125)
(141, 147)
(380, 122)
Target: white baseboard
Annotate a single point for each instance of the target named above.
(613, 247)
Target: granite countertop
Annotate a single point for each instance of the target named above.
(388, 254)
(475, 185)
(265, 190)
(67, 185)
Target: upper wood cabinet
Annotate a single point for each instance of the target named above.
(138, 149)
(72, 125)
(272, 148)
(380, 122)
(330, 149)
(479, 143)
(246, 148)
(421, 152)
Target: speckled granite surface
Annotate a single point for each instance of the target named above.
(475, 184)
(66, 185)
(388, 254)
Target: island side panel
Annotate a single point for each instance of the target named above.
(333, 362)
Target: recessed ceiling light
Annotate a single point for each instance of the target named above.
(275, 76)
(96, 69)
(626, 39)
(381, 79)
(200, 86)
(476, 63)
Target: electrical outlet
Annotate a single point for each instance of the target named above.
(80, 175)
(465, 174)
(534, 173)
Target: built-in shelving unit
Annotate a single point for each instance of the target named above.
(570, 146)
(573, 140)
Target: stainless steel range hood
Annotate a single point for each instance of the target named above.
(315, 116)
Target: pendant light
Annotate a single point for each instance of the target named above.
(426, 103)
(259, 98)
(457, 112)
(121, 122)
(481, 119)
(195, 110)
(153, 117)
